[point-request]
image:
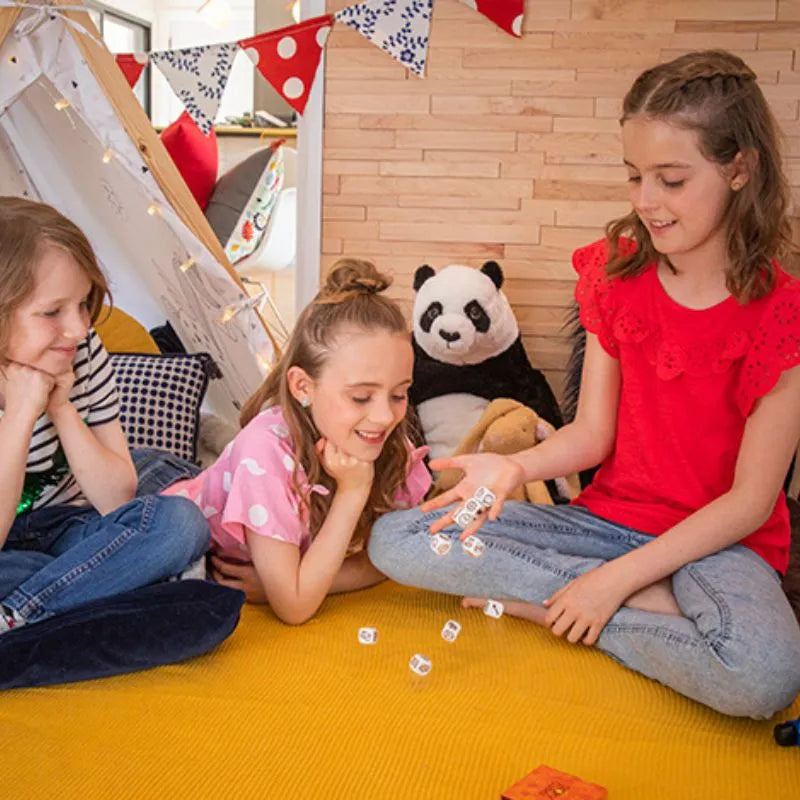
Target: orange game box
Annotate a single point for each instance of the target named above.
(546, 783)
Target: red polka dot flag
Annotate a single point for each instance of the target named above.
(288, 57)
(506, 14)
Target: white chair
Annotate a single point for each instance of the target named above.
(278, 246)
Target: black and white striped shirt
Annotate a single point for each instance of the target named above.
(48, 479)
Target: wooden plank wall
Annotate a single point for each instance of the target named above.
(509, 149)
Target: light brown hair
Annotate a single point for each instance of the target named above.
(715, 94)
(351, 299)
(27, 228)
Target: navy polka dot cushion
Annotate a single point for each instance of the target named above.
(160, 398)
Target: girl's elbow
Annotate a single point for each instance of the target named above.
(294, 614)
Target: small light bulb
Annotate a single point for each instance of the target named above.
(61, 104)
(187, 265)
(263, 362)
(228, 314)
(107, 156)
(153, 209)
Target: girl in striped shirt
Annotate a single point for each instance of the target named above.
(71, 528)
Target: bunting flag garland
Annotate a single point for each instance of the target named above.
(131, 65)
(198, 76)
(399, 27)
(289, 57)
(506, 14)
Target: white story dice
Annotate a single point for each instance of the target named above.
(451, 630)
(440, 544)
(463, 518)
(494, 608)
(473, 546)
(368, 635)
(420, 664)
(485, 497)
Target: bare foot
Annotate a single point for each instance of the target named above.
(657, 598)
(515, 608)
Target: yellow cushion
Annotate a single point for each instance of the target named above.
(279, 711)
(121, 333)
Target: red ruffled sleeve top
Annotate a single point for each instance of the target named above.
(689, 381)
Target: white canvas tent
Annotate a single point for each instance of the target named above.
(73, 135)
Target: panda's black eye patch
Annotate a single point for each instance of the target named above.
(429, 315)
(477, 316)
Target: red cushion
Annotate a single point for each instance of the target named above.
(194, 154)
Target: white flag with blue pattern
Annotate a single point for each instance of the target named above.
(398, 27)
(198, 76)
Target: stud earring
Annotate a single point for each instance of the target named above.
(736, 185)
(305, 402)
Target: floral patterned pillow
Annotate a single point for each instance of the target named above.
(252, 222)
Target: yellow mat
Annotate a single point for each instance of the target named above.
(308, 712)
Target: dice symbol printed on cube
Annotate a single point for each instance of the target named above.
(473, 506)
(473, 546)
(494, 608)
(420, 664)
(368, 635)
(440, 544)
(486, 497)
(463, 518)
(451, 630)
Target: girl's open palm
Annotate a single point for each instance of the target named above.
(498, 473)
(349, 472)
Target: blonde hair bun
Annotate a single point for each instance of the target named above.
(354, 276)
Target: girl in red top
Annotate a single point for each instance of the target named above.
(690, 402)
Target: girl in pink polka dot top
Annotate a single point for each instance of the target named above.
(323, 451)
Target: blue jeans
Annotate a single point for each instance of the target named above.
(59, 557)
(736, 648)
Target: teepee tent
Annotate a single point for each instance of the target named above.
(73, 135)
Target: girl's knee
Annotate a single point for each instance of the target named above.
(389, 537)
(182, 525)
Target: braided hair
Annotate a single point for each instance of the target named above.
(351, 299)
(715, 94)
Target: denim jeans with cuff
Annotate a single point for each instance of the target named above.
(736, 648)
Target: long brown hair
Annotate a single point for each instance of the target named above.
(27, 228)
(715, 93)
(350, 299)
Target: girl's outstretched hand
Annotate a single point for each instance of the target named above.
(349, 472)
(500, 474)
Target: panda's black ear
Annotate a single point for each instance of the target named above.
(492, 269)
(421, 275)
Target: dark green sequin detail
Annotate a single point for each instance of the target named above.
(37, 482)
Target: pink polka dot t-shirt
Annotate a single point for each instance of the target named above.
(250, 486)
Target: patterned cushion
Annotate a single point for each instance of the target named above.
(252, 222)
(160, 398)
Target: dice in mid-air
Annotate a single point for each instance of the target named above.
(368, 635)
(463, 518)
(451, 630)
(440, 544)
(420, 664)
(473, 546)
(485, 497)
(494, 608)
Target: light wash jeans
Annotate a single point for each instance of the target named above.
(736, 649)
(59, 557)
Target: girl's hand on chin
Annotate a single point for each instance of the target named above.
(27, 391)
(62, 386)
(350, 473)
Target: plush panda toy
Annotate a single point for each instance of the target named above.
(467, 352)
